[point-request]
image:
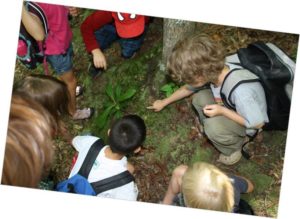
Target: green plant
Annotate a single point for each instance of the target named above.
(169, 88)
(116, 103)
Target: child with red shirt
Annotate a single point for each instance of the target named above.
(102, 28)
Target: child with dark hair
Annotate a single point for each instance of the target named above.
(199, 62)
(29, 150)
(125, 136)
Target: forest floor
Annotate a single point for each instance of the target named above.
(172, 134)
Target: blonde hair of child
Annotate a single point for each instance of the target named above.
(196, 56)
(29, 150)
(205, 186)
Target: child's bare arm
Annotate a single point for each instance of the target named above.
(130, 167)
(175, 184)
(33, 25)
(181, 93)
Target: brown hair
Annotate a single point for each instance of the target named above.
(50, 92)
(205, 186)
(29, 150)
(194, 57)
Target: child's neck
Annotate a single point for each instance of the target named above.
(222, 76)
(111, 155)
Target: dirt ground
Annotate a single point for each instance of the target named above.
(173, 137)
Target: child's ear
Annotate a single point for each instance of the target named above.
(137, 150)
(108, 131)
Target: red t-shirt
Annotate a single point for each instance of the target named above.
(94, 22)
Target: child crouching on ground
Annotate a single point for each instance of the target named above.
(125, 136)
(204, 186)
(200, 63)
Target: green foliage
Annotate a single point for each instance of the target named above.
(262, 182)
(117, 100)
(294, 54)
(169, 88)
(201, 154)
(86, 13)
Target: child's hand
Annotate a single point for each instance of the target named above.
(213, 110)
(157, 106)
(99, 59)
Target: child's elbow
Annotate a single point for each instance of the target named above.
(259, 126)
(250, 186)
(39, 37)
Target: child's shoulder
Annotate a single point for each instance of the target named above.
(84, 140)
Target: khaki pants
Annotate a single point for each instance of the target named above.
(226, 135)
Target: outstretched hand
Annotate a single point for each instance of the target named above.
(213, 110)
(157, 106)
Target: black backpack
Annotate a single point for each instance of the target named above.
(79, 184)
(275, 70)
(30, 52)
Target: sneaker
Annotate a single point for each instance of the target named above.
(95, 72)
(85, 113)
(231, 159)
(79, 90)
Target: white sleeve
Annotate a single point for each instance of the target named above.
(80, 142)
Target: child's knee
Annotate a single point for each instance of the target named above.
(179, 171)
(196, 101)
(130, 47)
(202, 98)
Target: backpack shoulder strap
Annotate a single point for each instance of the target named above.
(232, 80)
(112, 182)
(90, 158)
(38, 11)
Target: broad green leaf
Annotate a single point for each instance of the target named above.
(118, 92)
(118, 114)
(101, 120)
(166, 88)
(169, 93)
(109, 92)
(129, 93)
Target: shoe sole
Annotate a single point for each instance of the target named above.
(230, 163)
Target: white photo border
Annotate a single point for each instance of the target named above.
(273, 15)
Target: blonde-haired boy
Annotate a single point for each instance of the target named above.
(204, 186)
(199, 62)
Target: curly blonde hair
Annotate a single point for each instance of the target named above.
(205, 186)
(194, 57)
